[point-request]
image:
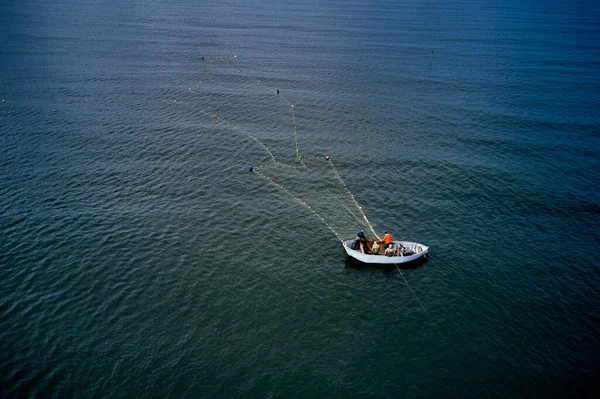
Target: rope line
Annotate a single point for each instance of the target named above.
(411, 290)
(437, 328)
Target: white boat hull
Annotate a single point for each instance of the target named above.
(417, 249)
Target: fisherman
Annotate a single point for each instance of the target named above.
(386, 240)
(376, 248)
(400, 251)
(390, 251)
(358, 242)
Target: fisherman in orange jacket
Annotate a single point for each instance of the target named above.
(386, 240)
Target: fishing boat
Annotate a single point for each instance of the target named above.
(412, 252)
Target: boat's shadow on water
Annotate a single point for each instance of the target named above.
(358, 265)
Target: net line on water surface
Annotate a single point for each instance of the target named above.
(299, 158)
(304, 203)
(295, 134)
(366, 222)
(279, 186)
(273, 160)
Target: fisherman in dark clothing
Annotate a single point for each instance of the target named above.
(363, 244)
(358, 244)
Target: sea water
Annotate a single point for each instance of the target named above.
(140, 258)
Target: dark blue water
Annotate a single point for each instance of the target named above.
(139, 258)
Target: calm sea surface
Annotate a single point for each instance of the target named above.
(140, 258)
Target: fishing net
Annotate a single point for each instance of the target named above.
(258, 113)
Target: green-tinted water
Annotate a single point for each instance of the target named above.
(139, 257)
